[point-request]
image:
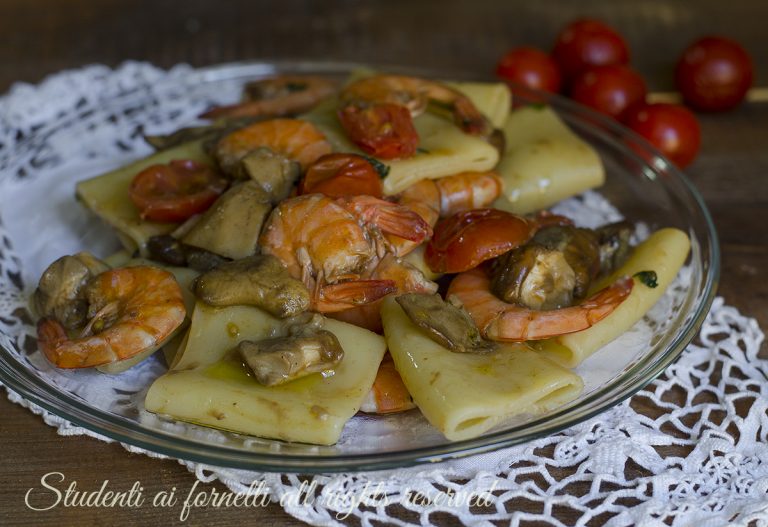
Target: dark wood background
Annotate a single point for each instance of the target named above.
(43, 36)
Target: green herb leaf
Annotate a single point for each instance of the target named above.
(648, 278)
(380, 167)
(537, 105)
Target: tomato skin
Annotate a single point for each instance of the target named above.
(466, 239)
(611, 90)
(587, 42)
(714, 74)
(338, 175)
(382, 130)
(175, 191)
(671, 128)
(531, 68)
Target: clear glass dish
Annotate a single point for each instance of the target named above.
(641, 184)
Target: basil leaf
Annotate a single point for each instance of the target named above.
(648, 278)
(380, 167)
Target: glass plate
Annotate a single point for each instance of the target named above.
(641, 184)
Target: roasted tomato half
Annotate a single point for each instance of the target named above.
(175, 191)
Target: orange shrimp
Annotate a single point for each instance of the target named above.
(276, 97)
(331, 244)
(374, 112)
(467, 191)
(437, 198)
(416, 94)
(388, 393)
(405, 278)
(131, 311)
(499, 320)
(297, 140)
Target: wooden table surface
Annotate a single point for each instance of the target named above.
(44, 36)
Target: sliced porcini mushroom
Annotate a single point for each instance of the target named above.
(214, 130)
(447, 324)
(60, 292)
(580, 249)
(260, 280)
(535, 277)
(313, 89)
(166, 249)
(554, 269)
(231, 227)
(278, 360)
(613, 240)
(202, 260)
(169, 250)
(274, 172)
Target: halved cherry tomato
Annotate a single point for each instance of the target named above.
(671, 128)
(714, 74)
(531, 68)
(339, 175)
(585, 43)
(466, 239)
(381, 130)
(174, 192)
(611, 90)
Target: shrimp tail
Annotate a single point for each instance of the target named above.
(65, 353)
(469, 119)
(346, 295)
(389, 392)
(390, 218)
(50, 336)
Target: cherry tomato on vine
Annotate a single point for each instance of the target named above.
(531, 68)
(175, 191)
(714, 74)
(671, 128)
(339, 175)
(609, 89)
(586, 43)
(466, 239)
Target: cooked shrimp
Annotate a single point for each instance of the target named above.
(331, 245)
(499, 320)
(371, 112)
(437, 198)
(416, 94)
(466, 191)
(388, 393)
(296, 140)
(276, 97)
(405, 279)
(350, 295)
(131, 310)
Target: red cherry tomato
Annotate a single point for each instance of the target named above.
(466, 239)
(609, 89)
(586, 43)
(339, 175)
(531, 68)
(714, 74)
(382, 130)
(176, 191)
(671, 128)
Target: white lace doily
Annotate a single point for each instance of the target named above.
(691, 449)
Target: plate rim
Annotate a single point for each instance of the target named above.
(109, 425)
